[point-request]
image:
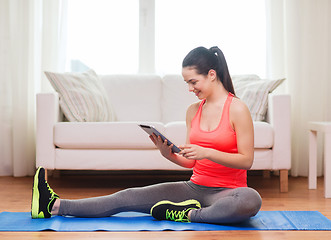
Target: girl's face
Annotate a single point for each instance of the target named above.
(198, 84)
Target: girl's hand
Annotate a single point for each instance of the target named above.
(162, 146)
(191, 151)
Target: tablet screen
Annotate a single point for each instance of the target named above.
(150, 130)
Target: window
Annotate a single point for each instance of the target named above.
(104, 34)
(237, 27)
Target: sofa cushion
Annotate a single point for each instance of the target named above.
(135, 97)
(254, 92)
(82, 96)
(116, 159)
(263, 135)
(175, 98)
(263, 159)
(176, 132)
(103, 135)
(128, 135)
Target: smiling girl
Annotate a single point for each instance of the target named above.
(219, 148)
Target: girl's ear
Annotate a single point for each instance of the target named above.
(212, 74)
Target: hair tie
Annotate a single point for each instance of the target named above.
(214, 49)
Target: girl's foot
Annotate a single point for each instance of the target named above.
(178, 212)
(43, 197)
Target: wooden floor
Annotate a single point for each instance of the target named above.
(15, 195)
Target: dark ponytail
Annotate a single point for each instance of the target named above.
(203, 59)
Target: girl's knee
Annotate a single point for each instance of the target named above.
(250, 200)
(255, 201)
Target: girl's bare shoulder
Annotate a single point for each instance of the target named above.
(239, 108)
(192, 110)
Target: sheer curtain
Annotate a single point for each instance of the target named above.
(29, 40)
(299, 41)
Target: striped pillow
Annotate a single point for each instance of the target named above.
(254, 92)
(82, 96)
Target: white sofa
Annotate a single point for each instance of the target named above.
(122, 145)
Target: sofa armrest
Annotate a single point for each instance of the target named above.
(48, 113)
(279, 116)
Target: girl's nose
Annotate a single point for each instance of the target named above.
(190, 88)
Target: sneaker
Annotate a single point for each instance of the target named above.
(178, 212)
(43, 197)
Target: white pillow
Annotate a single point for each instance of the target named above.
(82, 96)
(254, 92)
(245, 77)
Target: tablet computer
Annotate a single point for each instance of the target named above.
(150, 130)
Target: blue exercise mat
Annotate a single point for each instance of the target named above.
(128, 221)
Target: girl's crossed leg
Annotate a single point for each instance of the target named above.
(218, 205)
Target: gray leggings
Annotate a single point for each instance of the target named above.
(219, 205)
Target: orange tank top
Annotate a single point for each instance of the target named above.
(223, 138)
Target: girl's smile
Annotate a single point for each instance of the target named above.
(194, 80)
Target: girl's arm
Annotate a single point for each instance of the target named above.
(166, 150)
(243, 125)
(168, 154)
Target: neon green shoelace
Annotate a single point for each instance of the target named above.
(53, 195)
(50, 190)
(178, 216)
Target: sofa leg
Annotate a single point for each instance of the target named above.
(266, 173)
(283, 180)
